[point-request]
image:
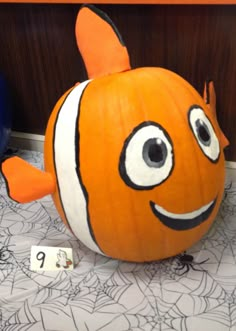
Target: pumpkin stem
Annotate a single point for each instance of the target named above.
(100, 43)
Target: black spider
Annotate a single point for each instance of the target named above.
(5, 255)
(186, 262)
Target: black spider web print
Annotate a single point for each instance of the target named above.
(195, 290)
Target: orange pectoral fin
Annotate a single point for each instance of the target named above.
(26, 183)
(100, 43)
(209, 97)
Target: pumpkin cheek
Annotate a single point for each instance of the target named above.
(114, 208)
(191, 206)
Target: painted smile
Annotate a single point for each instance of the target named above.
(183, 221)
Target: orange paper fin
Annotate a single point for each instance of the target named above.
(25, 183)
(100, 44)
(209, 97)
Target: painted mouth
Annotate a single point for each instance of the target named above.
(183, 221)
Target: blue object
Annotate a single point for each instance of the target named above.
(5, 114)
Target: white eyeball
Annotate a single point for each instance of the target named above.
(204, 133)
(147, 156)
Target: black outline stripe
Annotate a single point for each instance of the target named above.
(77, 162)
(54, 162)
(122, 167)
(182, 224)
(190, 124)
(77, 165)
(5, 179)
(106, 18)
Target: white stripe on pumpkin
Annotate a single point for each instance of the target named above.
(71, 192)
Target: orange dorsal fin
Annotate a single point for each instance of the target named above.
(99, 43)
(209, 97)
(25, 183)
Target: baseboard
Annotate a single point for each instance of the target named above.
(33, 142)
(230, 164)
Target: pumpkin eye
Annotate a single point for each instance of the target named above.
(154, 152)
(147, 157)
(204, 133)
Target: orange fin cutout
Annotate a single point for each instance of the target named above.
(209, 97)
(25, 183)
(99, 43)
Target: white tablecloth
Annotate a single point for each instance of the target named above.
(196, 292)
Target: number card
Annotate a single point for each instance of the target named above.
(51, 258)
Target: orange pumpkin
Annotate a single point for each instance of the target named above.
(141, 176)
(135, 157)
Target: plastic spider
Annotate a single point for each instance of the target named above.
(186, 262)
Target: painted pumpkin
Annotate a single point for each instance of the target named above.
(136, 155)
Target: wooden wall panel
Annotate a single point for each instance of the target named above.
(40, 59)
(146, 2)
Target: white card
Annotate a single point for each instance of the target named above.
(51, 258)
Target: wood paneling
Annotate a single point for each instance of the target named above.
(40, 58)
(165, 2)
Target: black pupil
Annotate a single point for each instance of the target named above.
(203, 132)
(154, 152)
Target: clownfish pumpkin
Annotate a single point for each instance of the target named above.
(133, 157)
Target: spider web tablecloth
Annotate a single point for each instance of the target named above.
(110, 295)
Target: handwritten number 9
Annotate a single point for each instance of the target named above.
(41, 257)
